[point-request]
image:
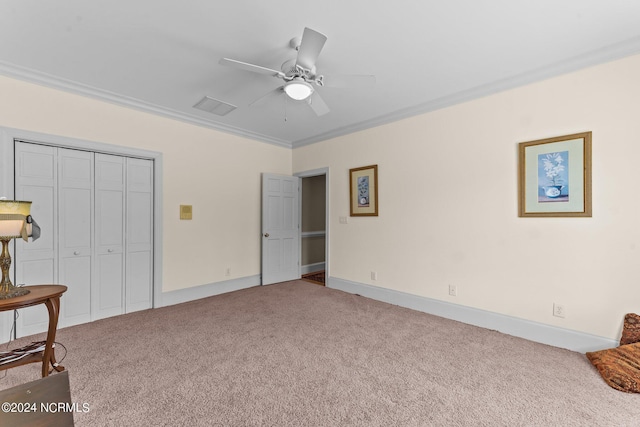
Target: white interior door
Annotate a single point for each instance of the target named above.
(280, 228)
(107, 290)
(139, 241)
(76, 215)
(59, 182)
(36, 262)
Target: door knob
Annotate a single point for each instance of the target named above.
(266, 234)
(109, 250)
(76, 252)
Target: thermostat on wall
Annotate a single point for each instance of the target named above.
(185, 211)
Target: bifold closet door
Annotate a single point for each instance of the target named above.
(107, 296)
(124, 236)
(36, 262)
(59, 182)
(96, 215)
(75, 220)
(139, 232)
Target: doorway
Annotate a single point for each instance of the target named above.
(314, 226)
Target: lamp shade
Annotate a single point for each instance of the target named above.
(13, 219)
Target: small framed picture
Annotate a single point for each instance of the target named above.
(554, 177)
(363, 191)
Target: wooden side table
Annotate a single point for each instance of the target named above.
(48, 295)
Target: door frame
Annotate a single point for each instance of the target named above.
(7, 183)
(307, 174)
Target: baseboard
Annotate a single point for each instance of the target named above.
(208, 290)
(312, 268)
(533, 331)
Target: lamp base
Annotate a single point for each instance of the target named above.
(7, 289)
(13, 292)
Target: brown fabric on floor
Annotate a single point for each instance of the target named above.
(619, 367)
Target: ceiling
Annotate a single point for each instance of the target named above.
(163, 56)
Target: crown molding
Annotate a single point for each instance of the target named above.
(47, 80)
(600, 56)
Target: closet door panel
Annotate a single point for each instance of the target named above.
(43, 208)
(139, 231)
(76, 221)
(109, 290)
(77, 277)
(138, 279)
(35, 262)
(75, 177)
(108, 286)
(36, 181)
(38, 272)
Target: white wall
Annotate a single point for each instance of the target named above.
(217, 173)
(448, 204)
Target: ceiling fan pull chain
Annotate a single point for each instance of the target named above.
(285, 108)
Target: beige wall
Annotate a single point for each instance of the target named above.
(217, 173)
(448, 203)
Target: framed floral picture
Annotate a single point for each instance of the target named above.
(363, 191)
(554, 177)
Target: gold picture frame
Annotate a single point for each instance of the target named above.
(554, 177)
(363, 191)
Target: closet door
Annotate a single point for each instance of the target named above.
(107, 289)
(139, 232)
(36, 179)
(96, 215)
(75, 188)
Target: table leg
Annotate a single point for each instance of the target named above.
(49, 357)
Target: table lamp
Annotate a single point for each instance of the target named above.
(15, 221)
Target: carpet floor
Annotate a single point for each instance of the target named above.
(298, 354)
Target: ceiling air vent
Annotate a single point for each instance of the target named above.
(211, 105)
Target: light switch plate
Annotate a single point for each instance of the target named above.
(186, 211)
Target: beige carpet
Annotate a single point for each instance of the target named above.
(298, 354)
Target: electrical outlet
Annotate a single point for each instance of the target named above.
(374, 275)
(559, 311)
(227, 272)
(343, 220)
(453, 290)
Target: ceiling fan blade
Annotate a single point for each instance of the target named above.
(250, 67)
(310, 47)
(317, 104)
(350, 81)
(264, 99)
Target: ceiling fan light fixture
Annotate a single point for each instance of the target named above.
(298, 89)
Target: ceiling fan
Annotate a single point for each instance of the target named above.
(300, 75)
